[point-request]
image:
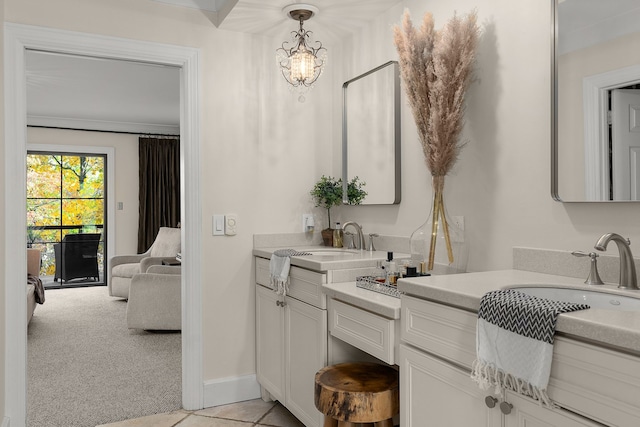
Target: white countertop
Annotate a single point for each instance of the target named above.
(326, 258)
(619, 329)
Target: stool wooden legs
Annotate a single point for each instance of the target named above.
(385, 423)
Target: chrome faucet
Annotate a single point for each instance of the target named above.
(628, 277)
(360, 240)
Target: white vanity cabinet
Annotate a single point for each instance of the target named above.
(291, 340)
(436, 352)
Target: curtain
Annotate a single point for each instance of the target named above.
(159, 193)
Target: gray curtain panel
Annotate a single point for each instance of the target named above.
(159, 193)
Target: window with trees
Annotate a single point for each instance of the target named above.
(65, 195)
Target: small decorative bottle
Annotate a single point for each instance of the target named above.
(391, 269)
(337, 236)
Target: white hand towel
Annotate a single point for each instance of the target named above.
(279, 270)
(514, 342)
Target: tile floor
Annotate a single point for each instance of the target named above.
(252, 413)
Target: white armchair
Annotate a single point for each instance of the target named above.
(124, 267)
(154, 299)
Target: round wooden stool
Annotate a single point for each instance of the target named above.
(357, 393)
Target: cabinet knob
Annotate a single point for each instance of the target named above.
(281, 303)
(506, 407)
(490, 401)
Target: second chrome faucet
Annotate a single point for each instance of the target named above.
(628, 277)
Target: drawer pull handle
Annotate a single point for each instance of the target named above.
(281, 303)
(490, 401)
(506, 407)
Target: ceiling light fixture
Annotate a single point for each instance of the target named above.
(301, 60)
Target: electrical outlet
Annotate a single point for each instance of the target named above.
(308, 223)
(459, 220)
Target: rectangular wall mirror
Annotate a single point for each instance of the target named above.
(596, 100)
(371, 133)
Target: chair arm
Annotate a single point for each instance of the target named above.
(127, 259)
(150, 261)
(165, 269)
(154, 302)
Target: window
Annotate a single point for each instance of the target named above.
(65, 195)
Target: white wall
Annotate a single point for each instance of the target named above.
(125, 165)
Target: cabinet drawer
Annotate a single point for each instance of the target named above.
(369, 332)
(600, 383)
(304, 285)
(441, 330)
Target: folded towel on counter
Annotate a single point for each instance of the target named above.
(514, 342)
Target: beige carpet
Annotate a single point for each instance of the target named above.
(86, 368)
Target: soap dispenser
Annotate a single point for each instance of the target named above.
(337, 236)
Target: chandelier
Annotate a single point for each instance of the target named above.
(301, 60)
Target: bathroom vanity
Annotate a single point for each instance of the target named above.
(429, 333)
(292, 331)
(595, 376)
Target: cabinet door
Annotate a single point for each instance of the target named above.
(437, 393)
(270, 357)
(527, 413)
(306, 348)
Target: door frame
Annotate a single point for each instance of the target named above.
(596, 133)
(18, 38)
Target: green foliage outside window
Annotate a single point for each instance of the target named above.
(63, 190)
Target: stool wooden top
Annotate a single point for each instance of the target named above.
(357, 392)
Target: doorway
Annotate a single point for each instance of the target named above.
(19, 38)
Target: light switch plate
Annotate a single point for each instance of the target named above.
(230, 224)
(218, 225)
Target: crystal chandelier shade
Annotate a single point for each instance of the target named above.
(301, 60)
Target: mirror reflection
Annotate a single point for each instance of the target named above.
(371, 133)
(597, 100)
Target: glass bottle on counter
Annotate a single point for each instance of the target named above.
(391, 269)
(338, 235)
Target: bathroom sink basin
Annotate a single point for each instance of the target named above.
(594, 298)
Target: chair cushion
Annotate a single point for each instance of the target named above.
(126, 270)
(167, 243)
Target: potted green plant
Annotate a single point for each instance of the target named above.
(327, 193)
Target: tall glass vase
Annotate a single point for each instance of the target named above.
(438, 245)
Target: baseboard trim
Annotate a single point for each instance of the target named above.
(230, 390)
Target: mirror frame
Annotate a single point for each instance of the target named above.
(554, 102)
(554, 116)
(396, 138)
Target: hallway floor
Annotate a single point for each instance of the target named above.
(252, 413)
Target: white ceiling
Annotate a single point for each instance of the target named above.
(99, 94)
(583, 23)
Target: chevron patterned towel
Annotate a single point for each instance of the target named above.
(514, 342)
